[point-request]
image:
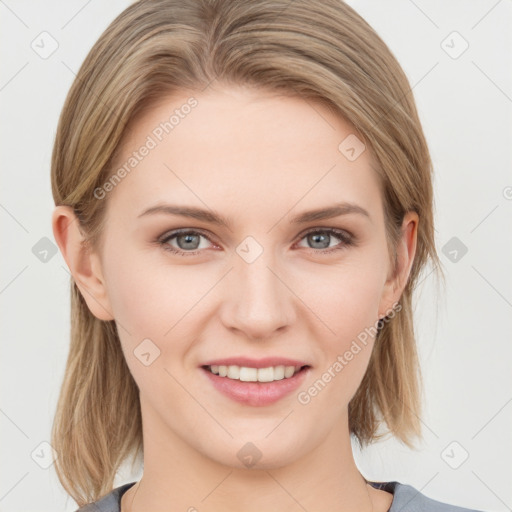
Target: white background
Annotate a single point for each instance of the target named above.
(465, 105)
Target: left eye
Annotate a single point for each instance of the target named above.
(189, 241)
(322, 237)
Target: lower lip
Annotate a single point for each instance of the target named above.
(256, 394)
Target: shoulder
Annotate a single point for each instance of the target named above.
(405, 499)
(408, 499)
(111, 502)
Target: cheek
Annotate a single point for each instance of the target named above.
(346, 298)
(150, 304)
(151, 297)
(348, 306)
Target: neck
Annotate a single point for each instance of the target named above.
(178, 477)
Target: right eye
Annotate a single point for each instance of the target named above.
(186, 239)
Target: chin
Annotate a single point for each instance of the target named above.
(258, 454)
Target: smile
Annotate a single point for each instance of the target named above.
(256, 387)
(249, 374)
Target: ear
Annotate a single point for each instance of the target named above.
(84, 265)
(405, 252)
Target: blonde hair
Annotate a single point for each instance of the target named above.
(320, 50)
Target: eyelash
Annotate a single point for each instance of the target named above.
(346, 238)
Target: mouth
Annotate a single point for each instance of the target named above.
(255, 387)
(252, 374)
(255, 382)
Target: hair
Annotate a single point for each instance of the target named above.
(319, 50)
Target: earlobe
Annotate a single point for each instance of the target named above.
(83, 264)
(405, 253)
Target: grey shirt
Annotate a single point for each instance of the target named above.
(405, 499)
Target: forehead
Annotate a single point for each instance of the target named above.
(233, 147)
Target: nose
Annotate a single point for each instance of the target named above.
(259, 301)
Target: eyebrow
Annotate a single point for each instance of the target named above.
(212, 217)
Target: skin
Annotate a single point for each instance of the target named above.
(259, 159)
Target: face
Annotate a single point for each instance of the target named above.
(264, 288)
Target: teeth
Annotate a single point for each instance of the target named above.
(246, 374)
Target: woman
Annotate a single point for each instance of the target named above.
(243, 197)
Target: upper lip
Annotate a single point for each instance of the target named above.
(255, 363)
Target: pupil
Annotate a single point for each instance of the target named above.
(317, 237)
(188, 240)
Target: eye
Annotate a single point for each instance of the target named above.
(188, 242)
(321, 238)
